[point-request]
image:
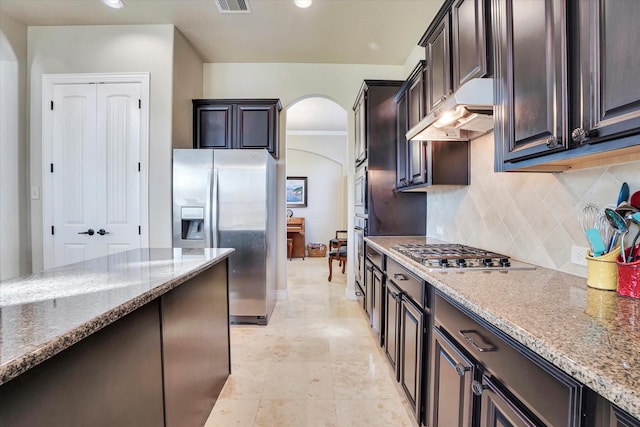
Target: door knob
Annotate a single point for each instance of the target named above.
(102, 232)
(90, 232)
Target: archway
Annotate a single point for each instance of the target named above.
(316, 148)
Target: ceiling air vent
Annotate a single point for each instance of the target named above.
(233, 6)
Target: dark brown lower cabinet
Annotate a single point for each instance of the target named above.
(412, 320)
(498, 410)
(451, 376)
(392, 300)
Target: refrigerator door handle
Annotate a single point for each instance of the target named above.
(213, 193)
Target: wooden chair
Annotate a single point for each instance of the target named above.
(338, 251)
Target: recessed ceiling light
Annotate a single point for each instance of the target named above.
(303, 3)
(115, 4)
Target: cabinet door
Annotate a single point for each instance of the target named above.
(438, 65)
(212, 127)
(498, 410)
(531, 78)
(377, 310)
(368, 289)
(469, 41)
(402, 145)
(257, 127)
(417, 162)
(609, 36)
(415, 99)
(360, 153)
(391, 323)
(411, 354)
(452, 376)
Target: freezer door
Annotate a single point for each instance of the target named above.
(193, 184)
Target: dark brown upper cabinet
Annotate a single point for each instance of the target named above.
(531, 78)
(566, 83)
(438, 72)
(237, 123)
(609, 69)
(469, 54)
(361, 141)
(410, 109)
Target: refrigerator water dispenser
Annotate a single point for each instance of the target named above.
(192, 223)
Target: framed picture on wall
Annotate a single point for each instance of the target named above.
(296, 191)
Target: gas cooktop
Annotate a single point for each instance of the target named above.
(459, 258)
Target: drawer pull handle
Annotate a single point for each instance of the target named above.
(400, 276)
(472, 343)
(461, 369)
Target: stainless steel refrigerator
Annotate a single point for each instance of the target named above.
(227, 199)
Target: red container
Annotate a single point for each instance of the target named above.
(629, 276)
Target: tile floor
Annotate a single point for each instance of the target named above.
(315, 364)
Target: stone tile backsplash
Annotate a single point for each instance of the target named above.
(529, 216)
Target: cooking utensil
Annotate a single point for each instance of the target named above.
(623, 195)
(635, 218)
(635, 200)
(625, 208)
(587, 219)
(595, 242)
(603, 227)
(620, 227)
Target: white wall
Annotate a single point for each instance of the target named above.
(290, 82)
(187, 85)
(15, 242)
(323, 160)
(108, 49)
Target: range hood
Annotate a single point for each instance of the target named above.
(466, 114)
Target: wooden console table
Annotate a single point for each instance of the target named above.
(295, 231)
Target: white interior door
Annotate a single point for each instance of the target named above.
(95, 151)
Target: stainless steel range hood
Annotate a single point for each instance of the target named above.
(466, 114)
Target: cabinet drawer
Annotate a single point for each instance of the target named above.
(407, 282)
(555, 397)
(375, 257)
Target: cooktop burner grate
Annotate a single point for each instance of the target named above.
(443, 257)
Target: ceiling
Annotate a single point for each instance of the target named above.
(381, 32)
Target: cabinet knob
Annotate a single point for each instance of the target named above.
(461, 369)
(477, 388)
(579, 135)
(553, 142)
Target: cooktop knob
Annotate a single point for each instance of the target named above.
(444, 263)
(504, 262)
(487, 262)
(461, 262)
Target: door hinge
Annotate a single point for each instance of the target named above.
(138, 166)
(51, 167)
(52, 230)
(139, 230)
(51, 105)
(139, 103)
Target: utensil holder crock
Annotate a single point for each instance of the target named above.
(602, 271)
(629, 276)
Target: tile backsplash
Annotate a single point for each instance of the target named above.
(529, 216)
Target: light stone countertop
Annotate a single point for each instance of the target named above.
(45, 313)
(590, 334)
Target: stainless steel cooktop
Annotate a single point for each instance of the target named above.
(459, 258)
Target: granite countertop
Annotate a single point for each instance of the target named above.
(45, 313)
(590, 334)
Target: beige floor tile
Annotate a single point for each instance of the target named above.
(372, 413)
(363, 380)
(296, 381)
(228, 412)
(246, 381)
(296, 413)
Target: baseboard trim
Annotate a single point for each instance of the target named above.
(350, 293)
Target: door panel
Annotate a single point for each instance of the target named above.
(118, 183)
(74, 164)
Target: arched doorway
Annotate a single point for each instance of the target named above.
(316, 148)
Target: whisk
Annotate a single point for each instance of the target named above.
(588, 219)
(603, 226)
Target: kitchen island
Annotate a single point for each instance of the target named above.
(135, 338)
(589, 334)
